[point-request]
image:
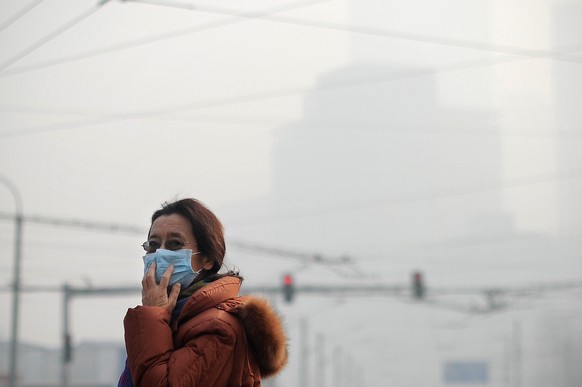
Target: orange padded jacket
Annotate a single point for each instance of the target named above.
(218, 339)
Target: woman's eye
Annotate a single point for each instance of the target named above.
(174, 244)
(153, 245)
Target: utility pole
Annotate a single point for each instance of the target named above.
(68, 294)
(517, 353)
(337, 367)
(320, 362)
(13, 357)
(303, 361)
(67, 345)
(507, 361)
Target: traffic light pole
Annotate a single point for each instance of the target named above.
(66, 355)
(67, 345)
(303, 364)
(13, 357)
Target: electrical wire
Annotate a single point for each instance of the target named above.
(414, 197)
(134, 230)
(158, 38)
(356, 127)
(371, 31)
(260, 96)
(301, 256)
(47, 38)
(79, 224)
(349, 127)
(47, 112)
(250, 98)
(399, 35)
(331, 210)
(19, 14)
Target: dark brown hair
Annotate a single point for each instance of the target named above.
(206, 227)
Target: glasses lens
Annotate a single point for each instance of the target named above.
(174, 244)
(150, 246)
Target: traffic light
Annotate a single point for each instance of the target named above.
(288, 288)
(418, 289)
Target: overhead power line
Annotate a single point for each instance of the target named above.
(362, 30)
(79, 224)
(559, 55)
(160, 37)
(343, 125)
(257, 97)
(130, 229)
(348, 126)
(47, 38)
(19, 14)
(301, 256)
(411, 197)
(415, 197)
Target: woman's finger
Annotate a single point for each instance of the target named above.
(173, 297)
(166, 277)
(149, 276)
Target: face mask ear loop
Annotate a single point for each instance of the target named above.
(200, 274)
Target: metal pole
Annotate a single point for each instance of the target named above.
(517, 353)
(320, 353)
(507, 361)
(303, 364)
(67, 348)
(337, 367)
(13, 358)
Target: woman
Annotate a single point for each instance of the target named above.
(192, 328)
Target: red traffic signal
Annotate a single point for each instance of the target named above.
(288, 288)
(418, 289)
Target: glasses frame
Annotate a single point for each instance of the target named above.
(145, 246)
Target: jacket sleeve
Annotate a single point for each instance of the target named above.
(153, 360)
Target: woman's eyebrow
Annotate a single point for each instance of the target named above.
(170, 234)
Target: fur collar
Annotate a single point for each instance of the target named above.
(265, 334)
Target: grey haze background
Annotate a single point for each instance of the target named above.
(440, 136)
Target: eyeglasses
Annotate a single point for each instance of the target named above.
(171, 244)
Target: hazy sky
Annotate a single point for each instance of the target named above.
(107, 111)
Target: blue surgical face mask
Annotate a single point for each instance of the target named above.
(180, 259)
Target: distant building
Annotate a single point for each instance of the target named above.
(376, 158)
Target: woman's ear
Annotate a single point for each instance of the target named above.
(207, 263)
(201, 262)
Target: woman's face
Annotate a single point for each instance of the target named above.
(174, 232)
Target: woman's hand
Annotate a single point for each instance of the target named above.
(153, 294)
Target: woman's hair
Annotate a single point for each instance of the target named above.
(206, 228)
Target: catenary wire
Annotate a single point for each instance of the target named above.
(399, 35)
(341, 261)
(19, 14)
(47, 38)
(160, 37)
(111, 227)
(415, 197)
(412, 197)
(352, 126)
(382, 127)
(259, 96)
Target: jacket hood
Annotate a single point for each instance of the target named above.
(262, 324)
(265, 334)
